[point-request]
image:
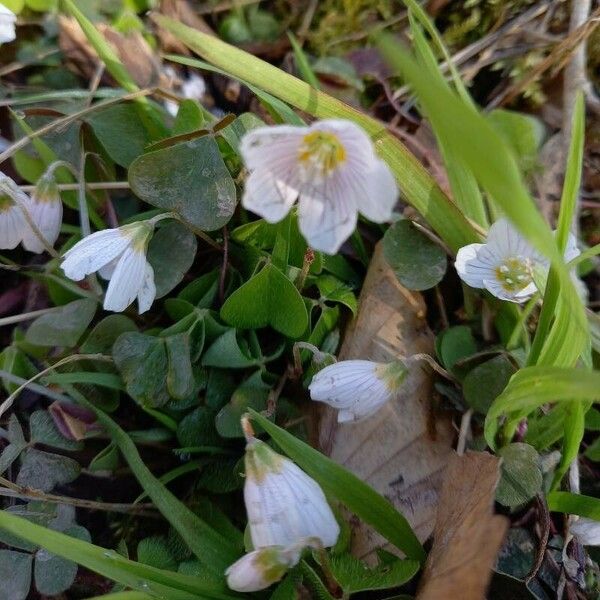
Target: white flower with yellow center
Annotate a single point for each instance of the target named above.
(259, 569)
(46, 210)
(357, 388)
(12, 222)
(506, 264)
(284, 504)
(331, 168)
(7, 24)
(118, 255)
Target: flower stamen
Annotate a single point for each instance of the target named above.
(323, 151)
(515, 273)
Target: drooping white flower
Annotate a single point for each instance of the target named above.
(505, 265)
(259, 569)
(46, 210)
(357, 388)
(12, 221)
(7, 24)
(284, 504)
(587, 531)
(118, 255)
(331, 168)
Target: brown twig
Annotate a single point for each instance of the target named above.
(544, 514)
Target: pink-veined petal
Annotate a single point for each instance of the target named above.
(268, 196)
(48, 218)
(474, 264)
(147, 292)
(273, 148)
(94, 252)
(12, 226)
(126, 281)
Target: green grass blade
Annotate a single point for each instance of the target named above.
(124, 596)
(336, 481)
(279, 110)
(302, 62)
(105, 51)
(139, 577)
(416, 184)
(466, 133)
(532, 387)
(211, 548)
(574, 504)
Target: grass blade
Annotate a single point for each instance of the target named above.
(574, 504)
(211, 548)
(139, 577)
(336, 481)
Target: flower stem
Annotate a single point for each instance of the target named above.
(26, 316)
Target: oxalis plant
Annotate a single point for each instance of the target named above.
(215, 279)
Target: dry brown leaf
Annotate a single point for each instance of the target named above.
(133, 50)
(403, 450)
(181, 11)
(467, 535)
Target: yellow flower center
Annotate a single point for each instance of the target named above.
(5, 202)
(322, 150)
(515, 273)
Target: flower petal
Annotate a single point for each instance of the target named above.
(12, 227)
(273, 148)
(475, 263)
(355, 387)
(93, 252)
(126, 281)
(7, 25)
(48, 218)
(571, 251)
(326, 222)
(587, 531)
(268, 196)
(379, 192)
(504, 240)
(147, 292)
(495, 287)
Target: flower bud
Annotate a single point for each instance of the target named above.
(357, 388)
(259, 569)
(284, 504)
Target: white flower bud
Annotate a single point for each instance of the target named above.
(7, 24)
(357, 388)
(284, 504)
(259, 569)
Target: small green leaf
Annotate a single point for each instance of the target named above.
(574, 504)
(202, 291)
(198, 428)
(44, 471)
(64, 326)
(334, 290)
(189, 118)
(142, 362)
(252, 393)
(190, 179)
(268, 298)
(180, 378)
(419, 263)
(15, 575)
(521, 475)
(171, 253)
(121, 131)
(155, 552)
(454, 344)
(354, 576)
(231, 352)
(485, 382)
(102, 337)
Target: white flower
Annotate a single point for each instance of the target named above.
(12, 221)
(587, 531)
(46, 210)
(332, 170)
(120, 256)
(194, 88)
(284, 504)
(7, 24)
(259, 569)
(357, 388)
(505, 265)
